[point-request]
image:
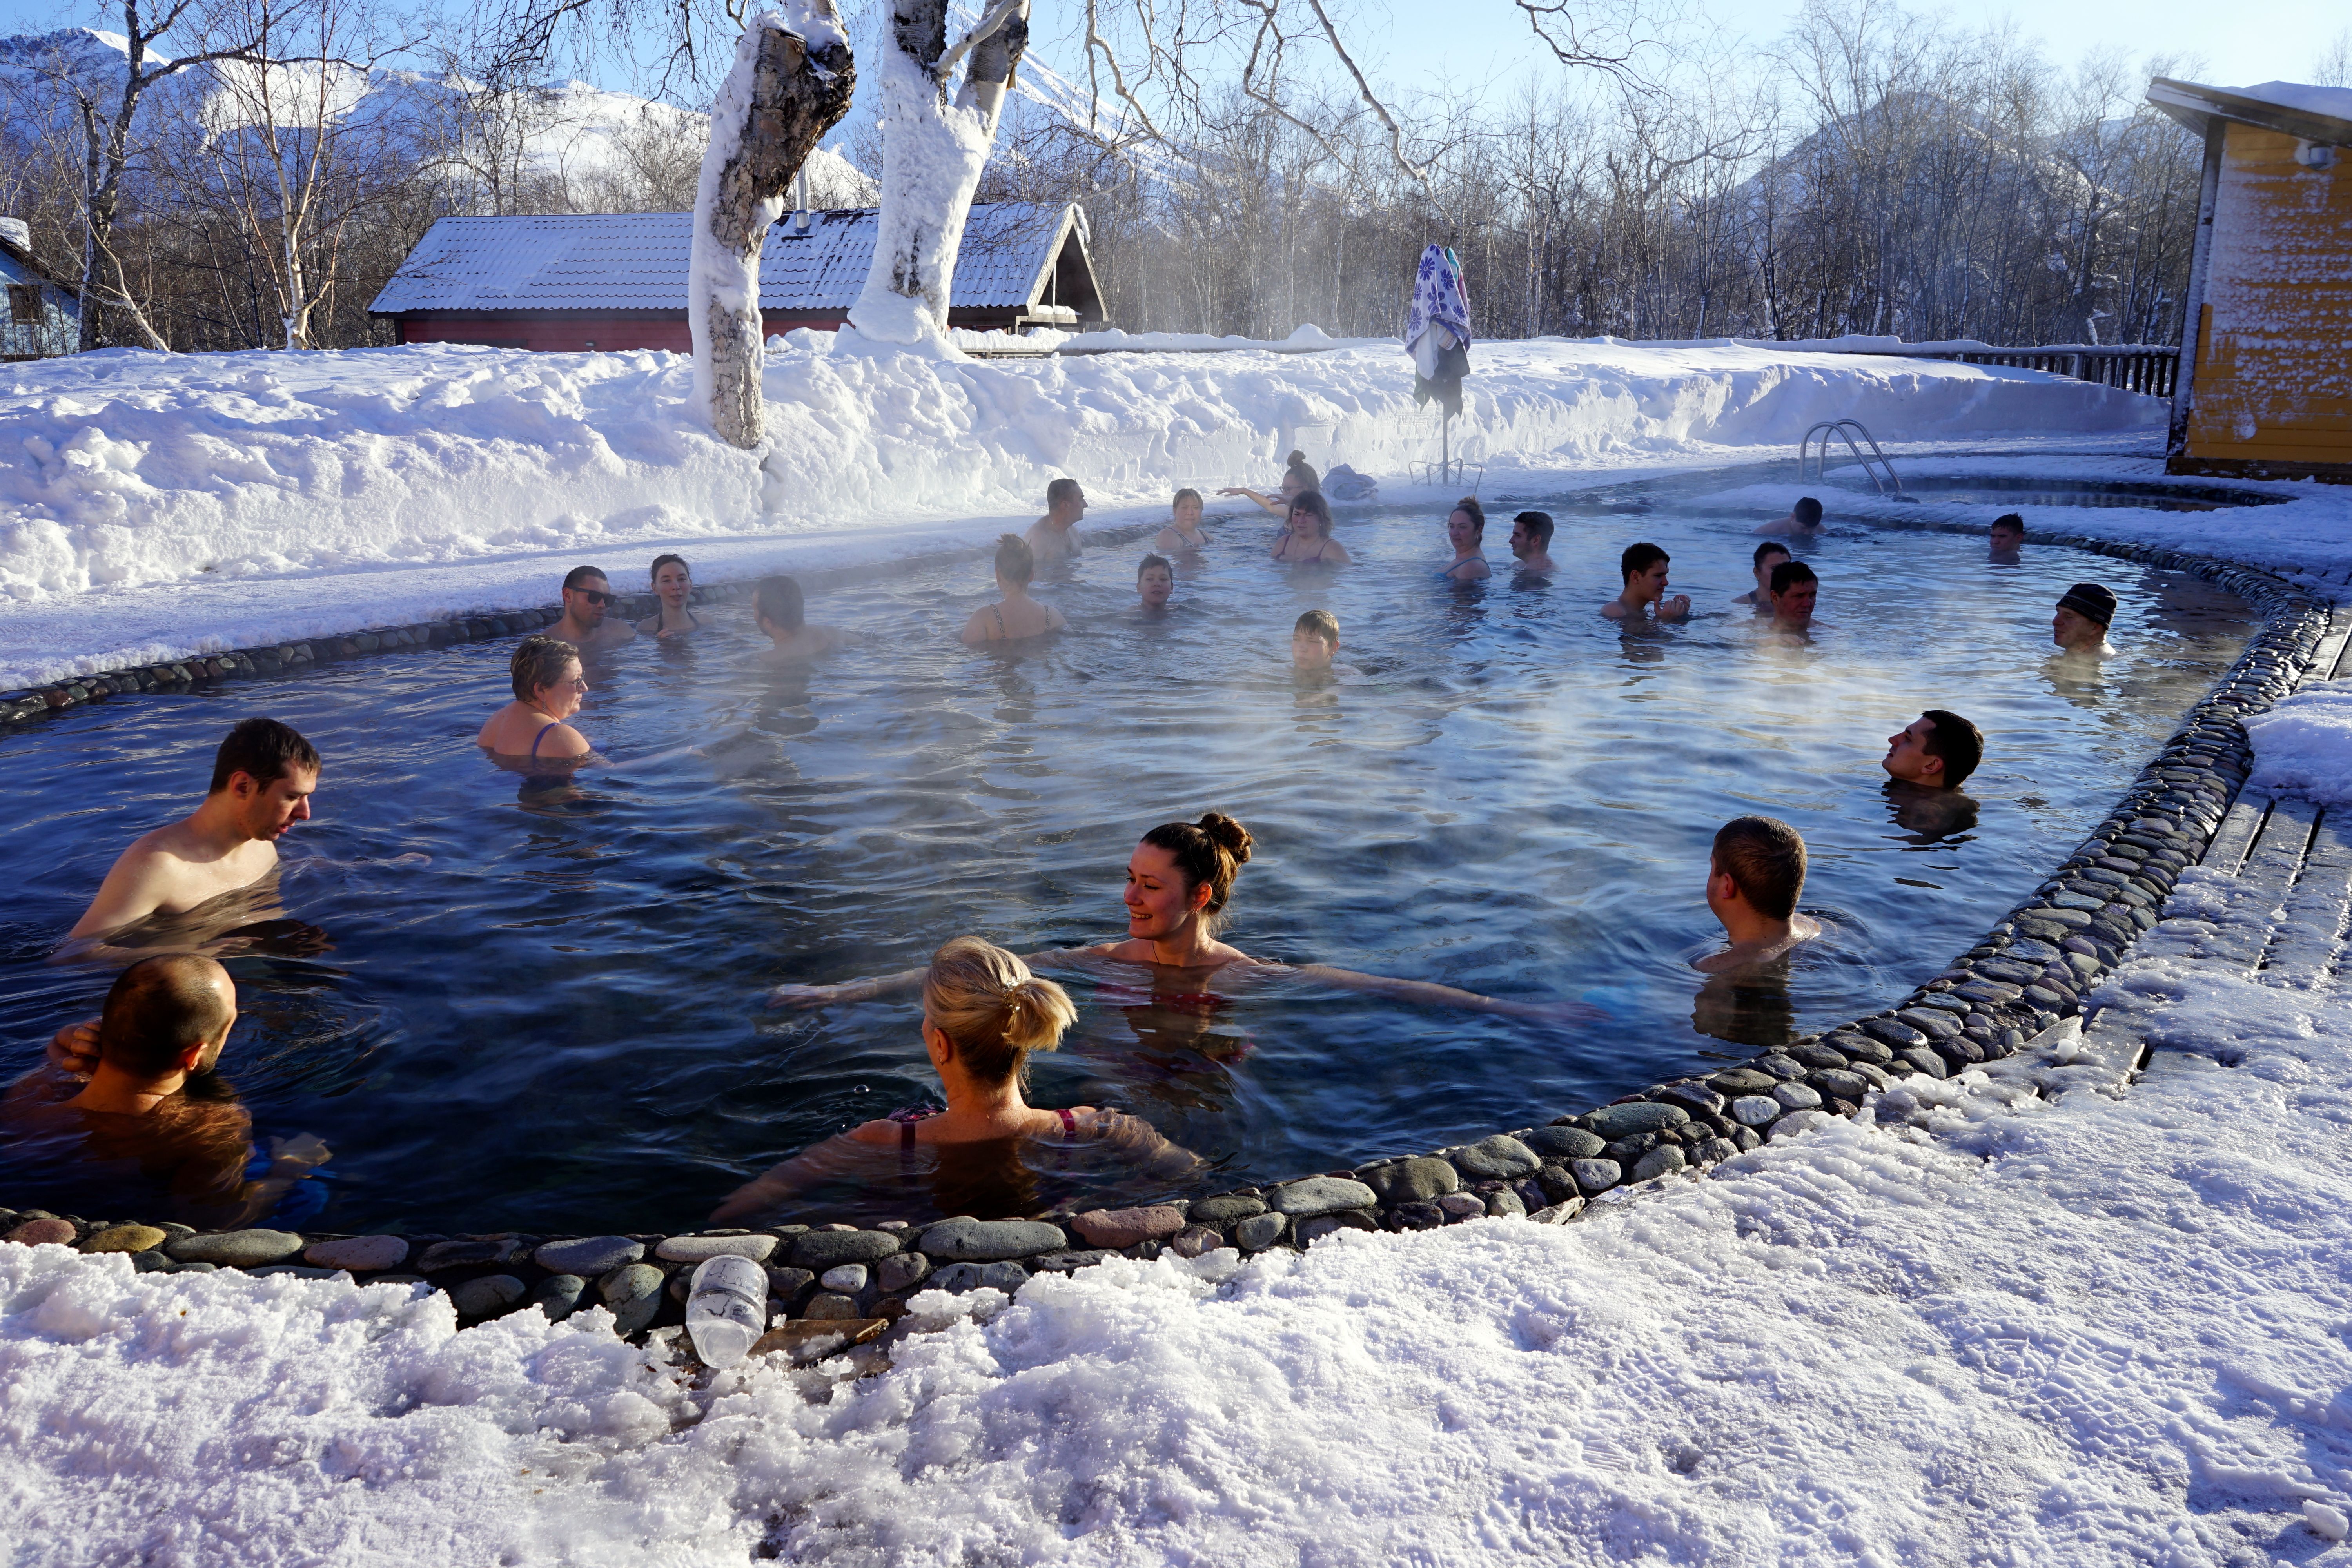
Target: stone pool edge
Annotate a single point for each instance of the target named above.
(838, 1285)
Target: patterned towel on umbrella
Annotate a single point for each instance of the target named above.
(1437, 329)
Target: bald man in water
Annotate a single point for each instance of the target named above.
(110, 1112)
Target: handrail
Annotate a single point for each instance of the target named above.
(1891, 485)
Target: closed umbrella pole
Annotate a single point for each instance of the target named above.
(1437, 335)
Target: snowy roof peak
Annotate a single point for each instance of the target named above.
(2319, 114)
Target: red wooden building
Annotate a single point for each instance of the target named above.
(577, 281)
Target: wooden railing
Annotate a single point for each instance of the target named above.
(2136, 367)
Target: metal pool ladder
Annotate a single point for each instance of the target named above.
(1872, 464)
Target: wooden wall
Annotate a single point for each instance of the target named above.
(2273, 376)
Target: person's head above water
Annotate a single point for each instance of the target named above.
(1643, 562)
(1065, 503)
(1016, 561)
(1310, 508)
(1937, 750)
(778, 607)
(1807, 511)
(1769, 554)
(1301, 475)
(268, 773)
(2008, 535)
(585, 594)
(1155, 579)
(1315, 639)
(1794, 591)
(545, 673)
(166, 1017)
(680, 575)
(1183, 873)
(1466, 525)
(1531, 535)
(1186, 508)
(1758, 862)
(989, 1012)
(2084, 612)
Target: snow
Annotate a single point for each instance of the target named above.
(2335, 102)
(2304, 745)
(2025, 1316)
(147, 497)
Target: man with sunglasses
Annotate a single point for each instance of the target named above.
(586, 595)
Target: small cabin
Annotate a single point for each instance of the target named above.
(580, 281)
(43, 315)
(2265, 388)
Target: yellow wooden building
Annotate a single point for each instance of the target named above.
(2265, 387)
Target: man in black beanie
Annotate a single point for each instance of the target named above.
(2083, 615)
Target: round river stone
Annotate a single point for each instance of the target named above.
(1797, 1097)
(245, 1247)
(1733, 1082)
(1615, 1121)
(1122, 1228)
(559, 1296)
(633, 1294)
(1498, 1159)
(360, 1254)
(1259, 1231)
(486, 1297)
(1666, 1157)
(125, 1238)
(966, 1240)
(1415, 1179)
(1564, 1142)
(701, 1248)
(1327, 1194)
(819, 1250)
(1224, 1210)
(1596, 1175)
(1755, 1109)
(896, 1272)
(958, 1277)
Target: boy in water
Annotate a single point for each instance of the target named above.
(1753, 878)
(1154, 581)
(1531, 541)
(1314, 640)
(1804, 520)
(1769, 554)
(1643, 567)
(2008, 540)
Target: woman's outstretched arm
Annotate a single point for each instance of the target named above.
(790, 994)
(1428, 994)
(1269, 503)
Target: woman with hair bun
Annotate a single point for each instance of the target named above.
(984, 1014)
(1179, 880)
(1015, 615)
(1296, 480)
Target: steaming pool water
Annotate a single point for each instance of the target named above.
(554, 1023)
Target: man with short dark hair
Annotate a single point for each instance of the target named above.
(2084, 612)
(1793, 590)
(1804, 520)
(112, 1106)
(263, 777)
(1754, 876)
(1769, 554)
(1939, 750)
(1643, 568)
(1531, 541)
(1055, 537)
(583, 624)
(2007, 539)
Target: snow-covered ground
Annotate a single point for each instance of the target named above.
(2027, 1317)
(146, 498)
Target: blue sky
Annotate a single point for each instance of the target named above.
(1487, 41)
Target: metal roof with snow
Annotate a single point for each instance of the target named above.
(637, 261)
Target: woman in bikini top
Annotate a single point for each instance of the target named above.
(983, 1012)
(548, 687)
(1179, 881)
(675, 584)
(1017, 616)
(1307, 542)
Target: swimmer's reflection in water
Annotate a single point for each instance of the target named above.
(1748, 1006)
(984, 1014)
(1929, 816)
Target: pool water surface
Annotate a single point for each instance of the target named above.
(540, 1008)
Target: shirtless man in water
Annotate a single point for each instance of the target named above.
(263, 776)
(1531, 542)
(1055, 536)
(583, 623)
(1643, 567)
(1753, 878)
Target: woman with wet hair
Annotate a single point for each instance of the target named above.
(1307, 541)
(1179, 880)
(1014, 615)
(1466, 530)
(674, 584)
(984, 1014)
(548, 690)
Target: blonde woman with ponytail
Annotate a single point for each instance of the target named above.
(1178, 882)
(984, 1014)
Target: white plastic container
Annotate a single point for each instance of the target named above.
(726, 1308)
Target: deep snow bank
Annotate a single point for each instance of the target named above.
(2072, 1326)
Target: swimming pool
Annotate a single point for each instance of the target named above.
(555, 1024)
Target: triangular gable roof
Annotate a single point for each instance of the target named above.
(637, 261)
(2320, 115)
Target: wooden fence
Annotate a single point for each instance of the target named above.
(2136, 367)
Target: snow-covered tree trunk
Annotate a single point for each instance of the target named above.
(932, 152)
(790, 83)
